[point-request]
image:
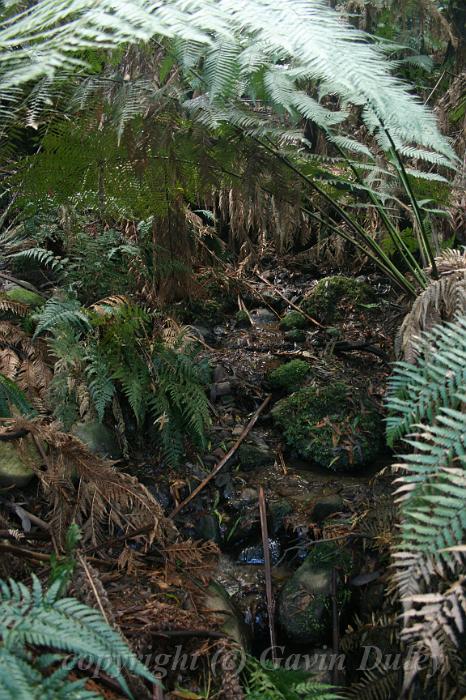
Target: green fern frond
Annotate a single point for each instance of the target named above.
(12, 395)
(416, 392)
(41, 619)
(57, 313)
(427, 403)
(40, 256)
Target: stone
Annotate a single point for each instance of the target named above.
(277, 512)
(252, 456)
(14, 468)
(262, 317)
(207, 528)
(24, 296)
(289, 376)
(332, 425)
(332, 296)
(326, 506)
(217, 600)
(305, 603)
(293, 320)
(99, 439)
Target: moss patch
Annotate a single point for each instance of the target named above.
(24, 296)
(333, 426)
(332, 297)
(290, 376)
(293, 320)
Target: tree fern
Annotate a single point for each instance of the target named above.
(427, 403)
(70, 632)
(313, 44)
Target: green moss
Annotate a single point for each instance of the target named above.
(293, 320)
(24, 296)
(289, 376)
(14, 463)
(331, 297)
(242, 319)
(333, 426)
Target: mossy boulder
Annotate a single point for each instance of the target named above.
(15, 458)
(98, 438)
(289, 376)
(293, 320)
(332, 297)
(305, 603)
(24, 296)
(333, 426)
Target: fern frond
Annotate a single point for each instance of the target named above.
(40, 256)
(11, 395)
(60, 312)
(215, 37)
(431, 491)
(416, 392)
(42, 619)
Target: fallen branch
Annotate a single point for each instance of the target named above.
(268, 573)
(224, 459)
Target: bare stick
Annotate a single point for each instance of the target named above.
(224, 459)
(289, 302)
(335, 639)
(268, 573)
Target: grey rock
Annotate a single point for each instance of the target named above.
(326, 506)
(99, 439)
(253, 456)
(262, 317)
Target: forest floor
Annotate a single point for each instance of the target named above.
(158, 597)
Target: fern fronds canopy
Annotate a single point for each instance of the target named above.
(262, 47)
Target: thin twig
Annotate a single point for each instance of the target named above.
(268, 573)
(93, 587)
(335, 637)
(224, 459)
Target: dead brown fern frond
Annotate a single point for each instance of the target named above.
(89, 490)
(441, 301)
(14, 307)
(24, 362)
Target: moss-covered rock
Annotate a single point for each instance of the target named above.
(14, 462)
(332, 296)
(305, 603)
(293, 320)
(289, 376)
(334, 426)
(98, 438)
(24, 296)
